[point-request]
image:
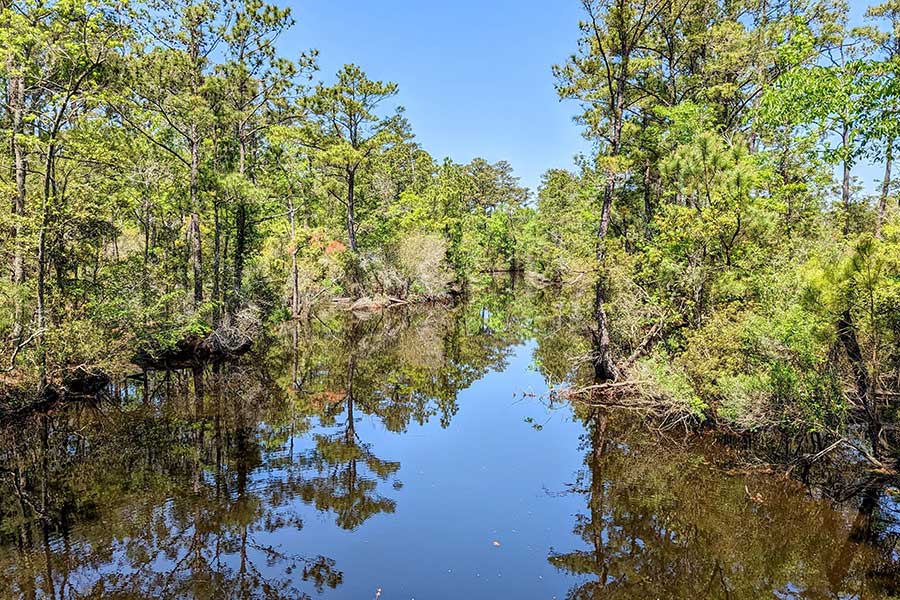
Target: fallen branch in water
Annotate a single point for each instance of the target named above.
(865, 454)
(631, 396)
(602, 387)
(812, 459)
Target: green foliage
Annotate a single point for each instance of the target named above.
(182, 174)
(180, 171)
(559, 236)
(670, 385)
(758, 292)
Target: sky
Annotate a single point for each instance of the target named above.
(474, 76)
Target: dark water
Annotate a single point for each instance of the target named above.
(413, 455)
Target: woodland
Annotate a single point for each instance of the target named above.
(175, 187)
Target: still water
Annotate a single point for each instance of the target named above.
(411, 455)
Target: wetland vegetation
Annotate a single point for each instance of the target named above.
(256, 341)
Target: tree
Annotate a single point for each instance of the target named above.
(883, 76)
(602, 76)
(17, 51)
(59, 59)
(560, 239)
(168, 99)
(827, 99)
(348, 134)
(258, 89)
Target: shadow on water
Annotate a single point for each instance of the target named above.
(266, 478)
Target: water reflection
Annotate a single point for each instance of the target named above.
(168, 492)
(673, 526)
(347, 471)
(178, 483)
(266, 478)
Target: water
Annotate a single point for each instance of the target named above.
(413, 455)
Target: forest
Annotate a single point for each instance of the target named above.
(176, 186)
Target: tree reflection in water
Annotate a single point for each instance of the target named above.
(164, 492)
(195, 483)
(397, 368)
(177, 483)
(670, 525)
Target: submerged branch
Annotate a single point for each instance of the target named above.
(576, 393)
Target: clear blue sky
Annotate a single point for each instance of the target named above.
(474, 75)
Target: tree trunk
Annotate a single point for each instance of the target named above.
(196, 241)
(846, 331)
(147, 218)
(351, 209)
(217, 264)
(295, 275)
(604, 366)
(42, 258)
(197, 258)
(17, 111)
(648, 198)
(885, 186)
(845, 182)
(240, 240)
(196, 74)
(240, 248)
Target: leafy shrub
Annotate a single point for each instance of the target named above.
(422, 257)
(668, 384)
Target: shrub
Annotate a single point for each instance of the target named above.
(422, 257)
(668, 384)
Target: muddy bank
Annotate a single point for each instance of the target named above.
(192, 351)
(380, 302)
(80, 386)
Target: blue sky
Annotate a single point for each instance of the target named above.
(474, 75)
